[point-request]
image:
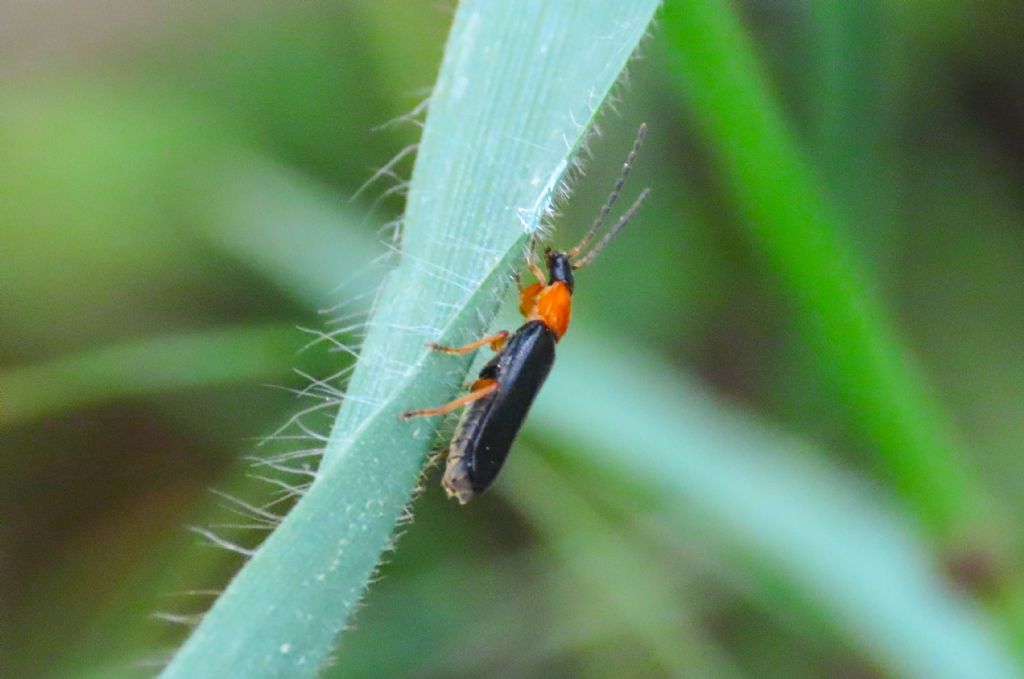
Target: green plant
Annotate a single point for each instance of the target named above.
(519, 86)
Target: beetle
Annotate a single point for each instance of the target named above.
(500, 398)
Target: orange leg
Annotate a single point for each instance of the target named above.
(531, 261)
(497, 341)
(537, 271)
(483, 388)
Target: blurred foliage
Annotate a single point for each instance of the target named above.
(137, 147)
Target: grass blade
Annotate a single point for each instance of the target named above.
(800, 234)
(140, 367)
(519, 85)
(841, 546)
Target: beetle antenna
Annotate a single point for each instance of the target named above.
(619, 226)
(614, 195)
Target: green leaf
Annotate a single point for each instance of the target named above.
(839, 544)
(519, 85)
(789, 219)
(139, 367)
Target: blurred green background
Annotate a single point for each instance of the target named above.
(174, 202)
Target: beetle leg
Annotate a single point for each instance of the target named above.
(497, 341)
(482, 388)
(531, 261)
(537, 272)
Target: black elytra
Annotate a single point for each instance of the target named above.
(490, 425)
